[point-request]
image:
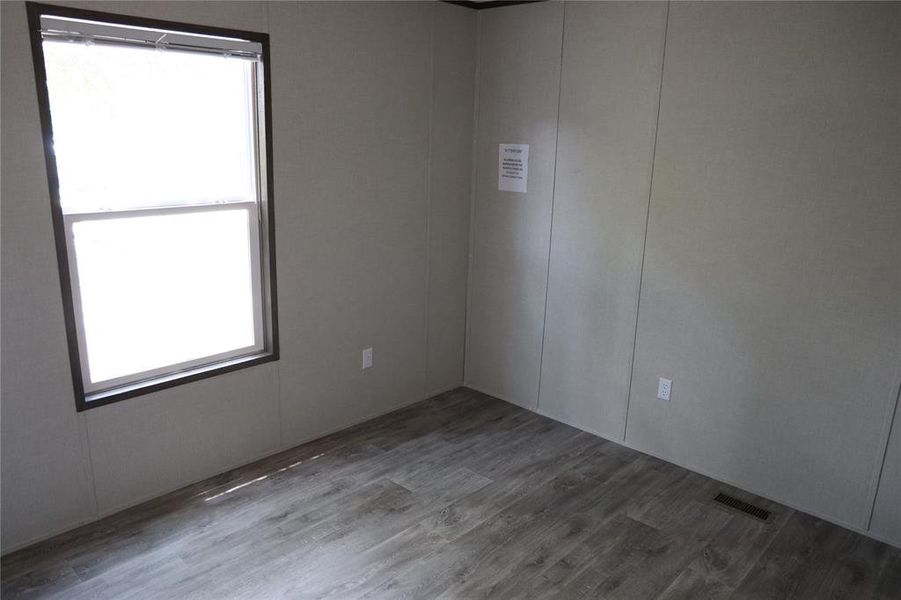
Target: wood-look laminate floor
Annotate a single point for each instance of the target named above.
(460, 496)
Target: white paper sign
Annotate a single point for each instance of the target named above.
(513, 167)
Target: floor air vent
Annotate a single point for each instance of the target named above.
(744, 507)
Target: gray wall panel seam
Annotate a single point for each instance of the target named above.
(646, 223)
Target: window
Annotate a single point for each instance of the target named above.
(157, 143)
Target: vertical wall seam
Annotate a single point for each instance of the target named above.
(647, 220)
(550, 240)
(882, 457)
(86, 440)
(428, 205)
(473, 189)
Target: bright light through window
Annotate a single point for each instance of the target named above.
(160, 162)
(180, 283)
(134, 127)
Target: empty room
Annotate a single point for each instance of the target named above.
(431, 299)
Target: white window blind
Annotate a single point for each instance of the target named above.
(71, 30)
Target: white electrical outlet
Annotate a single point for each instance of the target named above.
(664, 387)
(367, 358)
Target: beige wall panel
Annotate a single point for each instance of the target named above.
(519, 76)
(772, 276)
(612, 56)
(450, 189)
(46, 483)
(353, 223)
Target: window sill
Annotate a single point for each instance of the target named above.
(102, 398)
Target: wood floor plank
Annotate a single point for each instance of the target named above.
(505, 532)
(795, 563)
(691, 584)
(459, 496)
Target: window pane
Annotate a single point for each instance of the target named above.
(138, 127)
(161, 290)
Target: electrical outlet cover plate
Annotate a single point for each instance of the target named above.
(664, 387)
(367, 358)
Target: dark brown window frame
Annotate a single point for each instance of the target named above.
(85, 401)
